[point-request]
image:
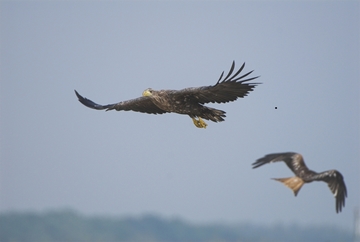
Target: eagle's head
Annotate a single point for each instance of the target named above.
(147, 92)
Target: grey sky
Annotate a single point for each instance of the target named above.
(56, 153)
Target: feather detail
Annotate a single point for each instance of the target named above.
(294, 183)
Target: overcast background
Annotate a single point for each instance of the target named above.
(56, 153)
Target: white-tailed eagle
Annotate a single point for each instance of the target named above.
(189, 101)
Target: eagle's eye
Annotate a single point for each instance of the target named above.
(147, 92)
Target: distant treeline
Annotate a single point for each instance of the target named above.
(71, 226)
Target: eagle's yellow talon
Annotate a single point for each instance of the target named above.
(199, 123)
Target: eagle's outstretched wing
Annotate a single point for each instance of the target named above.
(226, 90)
(141, 104)
(337, 186)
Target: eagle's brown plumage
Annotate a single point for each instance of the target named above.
(188, 101)
(303, 175)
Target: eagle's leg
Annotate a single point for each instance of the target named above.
(199, 123)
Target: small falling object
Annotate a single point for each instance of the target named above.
(275, 107)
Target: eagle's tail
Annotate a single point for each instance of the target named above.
(213, 114)
(294, 183)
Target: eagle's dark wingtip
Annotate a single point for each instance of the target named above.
(77, 94)
(90, 104)
(81, 98)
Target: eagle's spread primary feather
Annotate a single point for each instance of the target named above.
(303, 175)
(188, 101)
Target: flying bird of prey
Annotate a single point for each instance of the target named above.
(296, 163)
(188, 101)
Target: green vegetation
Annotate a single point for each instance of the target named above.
(71, 226)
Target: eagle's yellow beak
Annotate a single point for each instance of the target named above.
(146, 93)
